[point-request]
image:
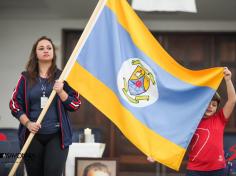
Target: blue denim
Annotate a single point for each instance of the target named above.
(220, 172)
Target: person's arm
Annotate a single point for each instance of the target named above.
(17, 103)
(229, 105)
(17, 107)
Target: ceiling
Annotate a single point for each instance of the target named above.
(219, 10)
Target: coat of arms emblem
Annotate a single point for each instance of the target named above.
(139, 84)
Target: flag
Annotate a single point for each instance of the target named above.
(165, 5)
(123, 71)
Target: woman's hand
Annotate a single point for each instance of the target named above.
(33, 127)
(58, 86)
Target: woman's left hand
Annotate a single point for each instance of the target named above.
(58, 86)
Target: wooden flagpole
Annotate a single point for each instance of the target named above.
(63, 76)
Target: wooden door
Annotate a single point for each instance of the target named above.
(192, 50)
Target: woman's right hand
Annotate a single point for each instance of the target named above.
(33, 127)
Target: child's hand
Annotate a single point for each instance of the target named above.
(227, 74)
(150, 159)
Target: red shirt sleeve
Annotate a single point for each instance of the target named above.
(222, 117)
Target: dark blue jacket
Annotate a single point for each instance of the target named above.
(19, 104)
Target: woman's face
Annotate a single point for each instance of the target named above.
(44, 51)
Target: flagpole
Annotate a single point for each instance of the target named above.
(88, 28)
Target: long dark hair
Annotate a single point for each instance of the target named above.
(32, 65)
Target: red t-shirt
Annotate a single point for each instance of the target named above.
(206, 148)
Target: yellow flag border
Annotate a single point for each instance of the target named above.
(148, 44)
(156, 146)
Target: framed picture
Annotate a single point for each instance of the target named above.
(96, 167)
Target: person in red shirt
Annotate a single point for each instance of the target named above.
(206, 154)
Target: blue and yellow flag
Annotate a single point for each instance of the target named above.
(123, 71)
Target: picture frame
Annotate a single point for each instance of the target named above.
(106, 165)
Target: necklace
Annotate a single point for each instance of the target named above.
(44, 98)
(43, 86)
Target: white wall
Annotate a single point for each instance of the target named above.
(18, 36)
(16, 40)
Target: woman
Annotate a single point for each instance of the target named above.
(48, 150)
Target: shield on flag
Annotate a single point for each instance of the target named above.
(139, 82)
